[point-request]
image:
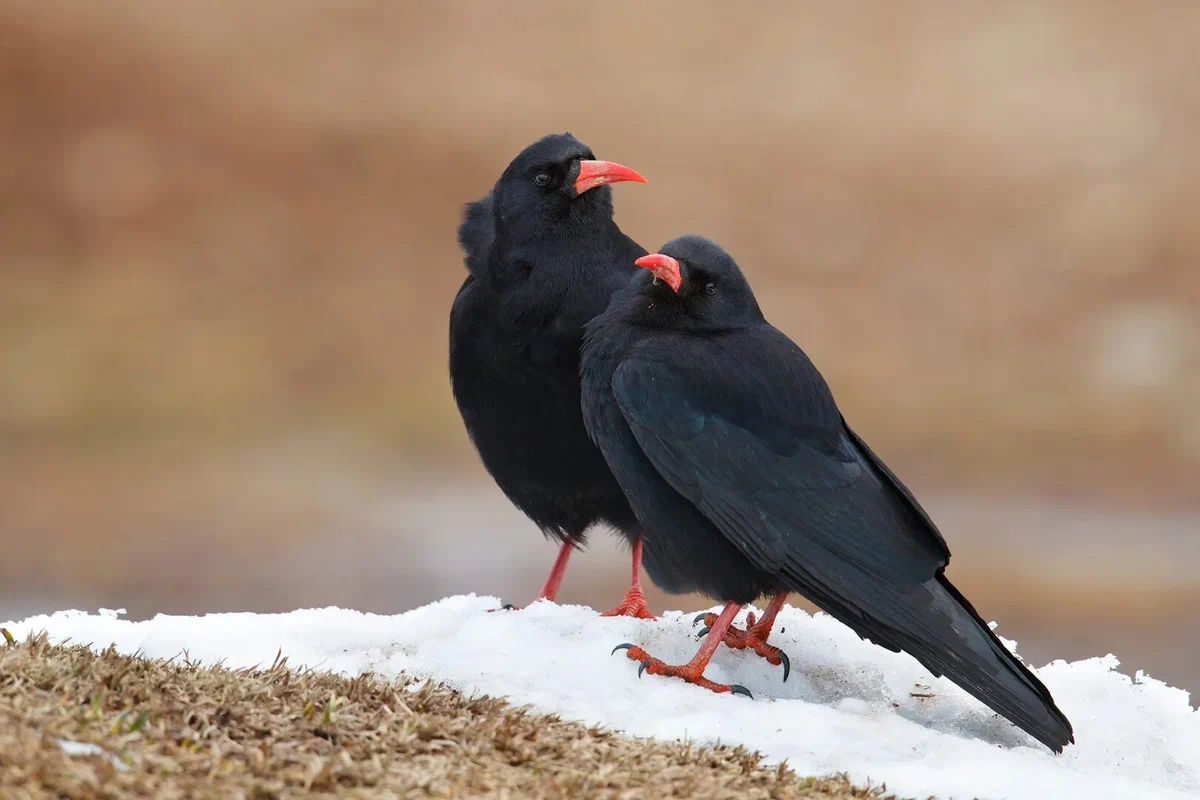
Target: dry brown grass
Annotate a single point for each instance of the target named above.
(175, 729)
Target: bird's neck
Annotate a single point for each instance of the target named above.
(548, 229)
(566, 245)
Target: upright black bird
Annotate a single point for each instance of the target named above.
(543, 256)
(747, 481)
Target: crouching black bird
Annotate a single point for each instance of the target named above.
(747, 480)
(543, 256)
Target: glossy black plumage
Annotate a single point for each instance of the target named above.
(542, 261)
(734, 455)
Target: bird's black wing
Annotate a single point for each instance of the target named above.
(744, 427)
(476, 233)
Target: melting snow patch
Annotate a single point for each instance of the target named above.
(848, 707)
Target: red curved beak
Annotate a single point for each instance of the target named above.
(664, 268)
(598, 173)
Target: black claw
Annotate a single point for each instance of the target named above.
(625, 646)
(642, 668)
(736, 689)
(703, 632)
(787, 665)
(699, 617)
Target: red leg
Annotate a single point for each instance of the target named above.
(634, 604)
(693, 671)
(755, 635)
(554, 579)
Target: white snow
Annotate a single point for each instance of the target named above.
(848, 706)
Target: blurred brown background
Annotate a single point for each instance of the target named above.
(227, 258)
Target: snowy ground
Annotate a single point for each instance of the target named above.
(848, 706)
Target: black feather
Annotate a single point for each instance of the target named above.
(475, 235)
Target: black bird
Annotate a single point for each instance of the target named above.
(543, 256)
(748, 482)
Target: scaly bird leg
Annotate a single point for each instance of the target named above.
(755, 635)
(634, 604)
(553, 580)
(693, 671)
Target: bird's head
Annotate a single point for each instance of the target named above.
(557, 179)
(695, 285)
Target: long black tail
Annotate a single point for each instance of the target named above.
(933, 622)
(953, 640)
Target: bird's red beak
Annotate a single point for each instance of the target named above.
(664, 268)
(598, 173)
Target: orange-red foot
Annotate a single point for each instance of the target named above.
(634, 605)
(688, 672)
(753, 638)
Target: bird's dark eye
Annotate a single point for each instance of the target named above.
(542, 178)
(710, 288)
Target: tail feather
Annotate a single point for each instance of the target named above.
(952, 640)
(936, 625)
